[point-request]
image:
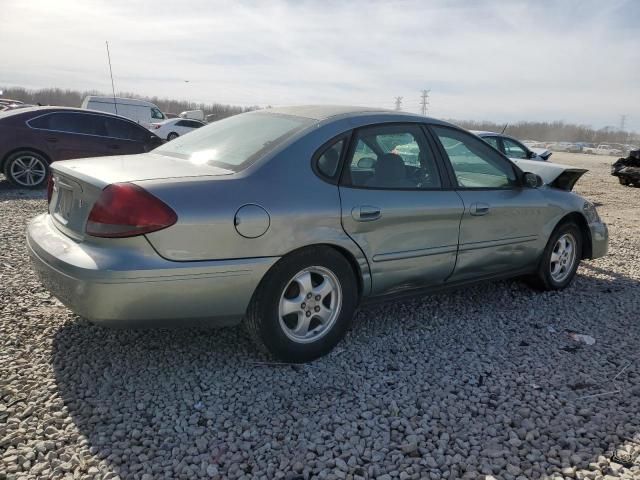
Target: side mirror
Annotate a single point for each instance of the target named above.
(531, 154)
(531, 180)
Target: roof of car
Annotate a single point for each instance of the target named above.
(481, 133)
(323, 112)
(52, 108)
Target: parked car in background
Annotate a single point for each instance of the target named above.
(140, 111)
(287, 219)
(193, 115)
(175, 127)
(32, 138)
(170, 115)
(603, 149)
(512, 148)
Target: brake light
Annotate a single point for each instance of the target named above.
(127, 210)
(156, 126)
(49, 188)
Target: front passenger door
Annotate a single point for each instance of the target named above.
(501, 229)
(396, 207)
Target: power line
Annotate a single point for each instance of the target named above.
(398, 103)
(424, 101)
(623, 122)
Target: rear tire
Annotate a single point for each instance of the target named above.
(171, 136)
(560, 259)
(26, 169)
(623, 181)
(304, 305)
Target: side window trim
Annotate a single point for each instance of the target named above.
(345, 177)
(335, 178)
(126, 120)
(451, 171)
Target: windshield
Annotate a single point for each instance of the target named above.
(235, 142)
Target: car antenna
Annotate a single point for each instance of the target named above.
(505, 127)
(113, 88)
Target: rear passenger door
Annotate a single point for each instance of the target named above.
(124, 137)
(398, 208)
(71, 134)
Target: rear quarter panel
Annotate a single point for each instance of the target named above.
(303, 209)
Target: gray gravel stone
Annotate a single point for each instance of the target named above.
(438, 387)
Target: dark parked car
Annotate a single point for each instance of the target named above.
(32, 138)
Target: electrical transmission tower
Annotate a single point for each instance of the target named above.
(623, 122)
(424, 102)
(398, 103)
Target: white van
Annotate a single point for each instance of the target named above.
(145, 113)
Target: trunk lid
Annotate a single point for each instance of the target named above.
(103, 171)
(555, 175)
(79, 183)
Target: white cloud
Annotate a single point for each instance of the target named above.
(576, 61)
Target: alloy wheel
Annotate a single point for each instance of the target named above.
(28, 171)
(310, 304)
(563, 257)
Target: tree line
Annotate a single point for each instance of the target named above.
(73, 98)
(554, 131)
(524, 130)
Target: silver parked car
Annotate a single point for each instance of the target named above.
(514, 149)
(288, 219)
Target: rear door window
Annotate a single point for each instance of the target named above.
(123, 130)
(392, 157)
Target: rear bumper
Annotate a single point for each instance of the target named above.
(124, 282)
(599, 239)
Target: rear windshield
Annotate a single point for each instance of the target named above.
(235, 142)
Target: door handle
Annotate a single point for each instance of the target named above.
(365, 213)
(51, 139)
(479, 208)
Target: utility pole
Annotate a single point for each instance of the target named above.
(424, 101)
(398, 103)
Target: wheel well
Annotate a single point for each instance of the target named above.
(15, 150)
(342, 251)
(354, 265)
(579, 220)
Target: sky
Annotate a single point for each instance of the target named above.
(576, 61)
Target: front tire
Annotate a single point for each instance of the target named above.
(26, 169)
(304, 305)
(560, 259)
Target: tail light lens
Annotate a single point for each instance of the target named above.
(156, 126)
(49, 188)
(126, 210)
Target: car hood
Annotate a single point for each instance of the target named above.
(555, 175)
(102, 171)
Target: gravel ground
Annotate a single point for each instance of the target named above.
(479, 383)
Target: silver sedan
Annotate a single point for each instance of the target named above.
(287, 219)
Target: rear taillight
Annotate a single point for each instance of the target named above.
(49, 188)
(156, 126)
(126, 210)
